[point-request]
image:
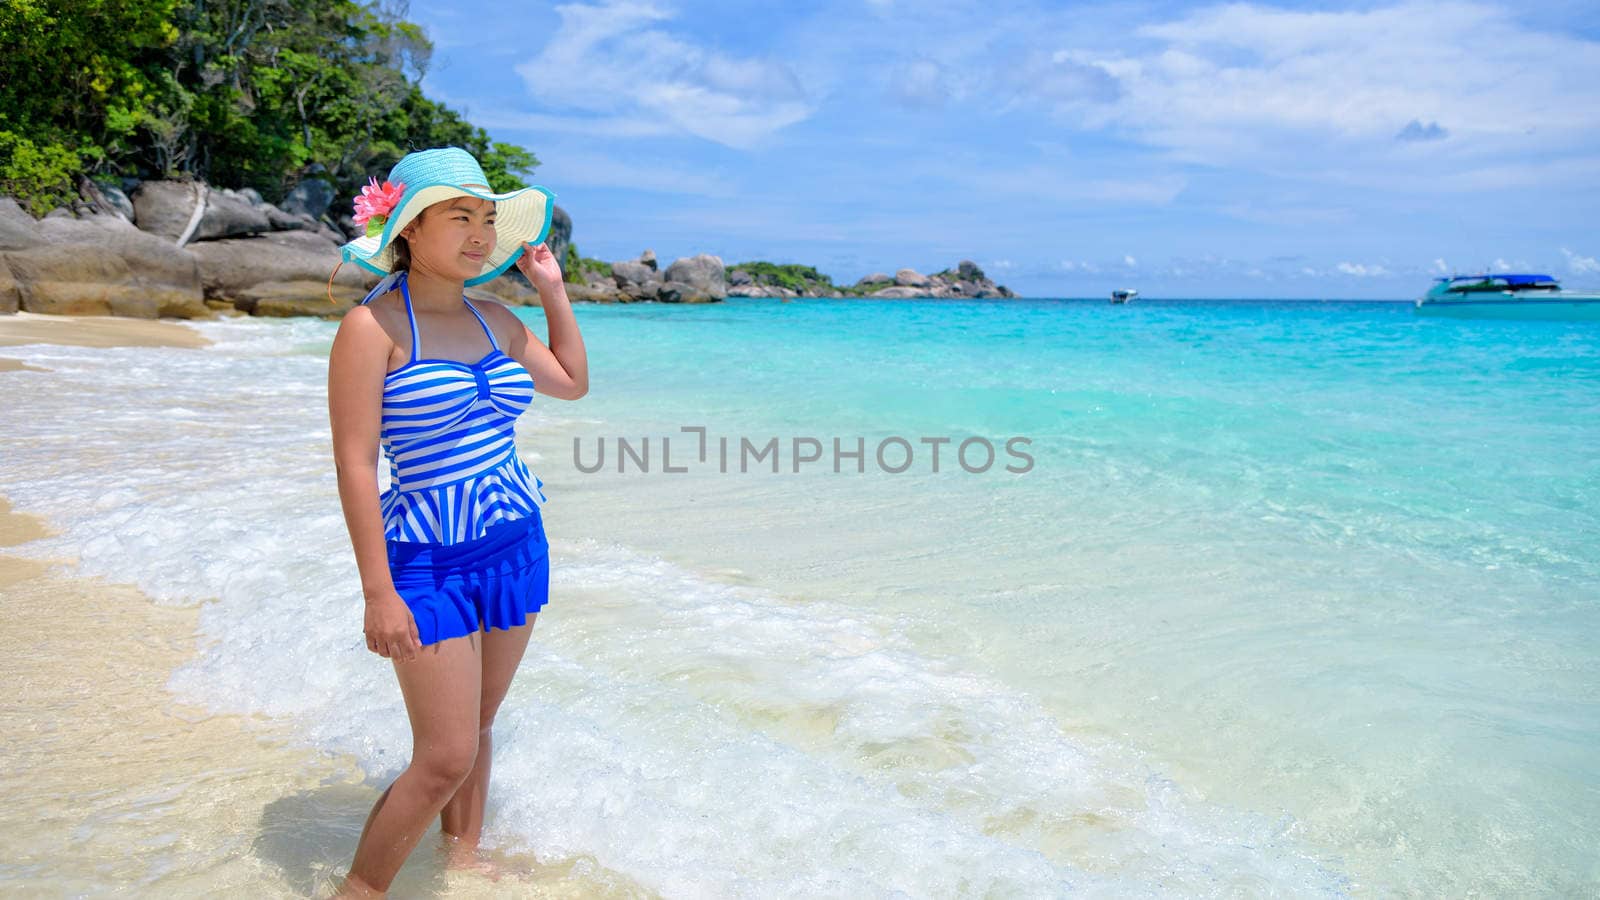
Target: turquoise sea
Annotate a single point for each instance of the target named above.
(1288, 598)
(1325, 562)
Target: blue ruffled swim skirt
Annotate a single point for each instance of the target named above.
(495, 581)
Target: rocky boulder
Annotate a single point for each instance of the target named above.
(764, 290)
(697, 279)
(311, 197)
(233, 265)
(10, 290)
(164, 208)
(95, 265)
(593, 292)
(511, 288)
(628, 273)
(702, 275)
(105, 199)
(229, 214)
(898, 292)
(910, 278)
(966, 280)
(279, 299)
(560, 236)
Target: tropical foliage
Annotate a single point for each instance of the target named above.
(241, 93)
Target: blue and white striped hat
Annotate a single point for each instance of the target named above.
(431, 176)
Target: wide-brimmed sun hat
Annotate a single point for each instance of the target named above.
(426, 177)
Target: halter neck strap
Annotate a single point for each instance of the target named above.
(399, 278)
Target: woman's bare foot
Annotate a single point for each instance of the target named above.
(356, 889)
(463, 857)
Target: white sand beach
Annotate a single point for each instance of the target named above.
(114, 786)
(96, 331)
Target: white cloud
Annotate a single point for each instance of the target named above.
(1362, 270)
(1242, 84)
(1129, 261)
(1063, 79)
(600, 170)
(1440, 268)
(1581, 265)
(613, 62)
(919, 84)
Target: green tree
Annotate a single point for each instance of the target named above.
(242, 93)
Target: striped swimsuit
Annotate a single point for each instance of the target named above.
(448, 432)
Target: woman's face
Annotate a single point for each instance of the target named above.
(452, 238)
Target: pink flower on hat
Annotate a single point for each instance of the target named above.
(376, 203)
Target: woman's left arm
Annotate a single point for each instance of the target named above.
(561, 369)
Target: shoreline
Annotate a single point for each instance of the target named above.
(103, 759)
(93, 331)
(114, 784)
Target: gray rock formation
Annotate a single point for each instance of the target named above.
(899, 291)
(560, 236)
(627, 273)
(97, 265)
(594, 292)
(763, 290)
(231, 266)
(247, 255)
(910, 278)
(105, 199)
(10, 290)
(165, 207)
(310, 198)
(229, 214)
(697, 279)
(966, 280)
(244, 255)
(702, 276)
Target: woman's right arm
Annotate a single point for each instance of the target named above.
(356, 368)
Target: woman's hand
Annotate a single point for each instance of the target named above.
(539, 264)
(391, 629)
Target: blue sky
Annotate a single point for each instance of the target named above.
(1189, 150)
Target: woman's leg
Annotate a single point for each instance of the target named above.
(462, 818)
(441, 688)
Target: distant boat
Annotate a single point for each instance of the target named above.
(1499, 295)
(1124, 295)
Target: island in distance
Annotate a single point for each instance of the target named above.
(704, 278)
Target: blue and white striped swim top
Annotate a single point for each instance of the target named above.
(448, 431)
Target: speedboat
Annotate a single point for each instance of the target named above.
(1500, 295)
(1124, 295)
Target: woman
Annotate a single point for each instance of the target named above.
(453, 556)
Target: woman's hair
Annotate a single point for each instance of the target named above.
(402, 248)
(402, 254)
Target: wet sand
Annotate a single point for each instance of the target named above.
(16, 365)
(113, 787)
(95, 331)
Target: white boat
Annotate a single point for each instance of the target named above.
(1123, 295)
(1500, 295)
